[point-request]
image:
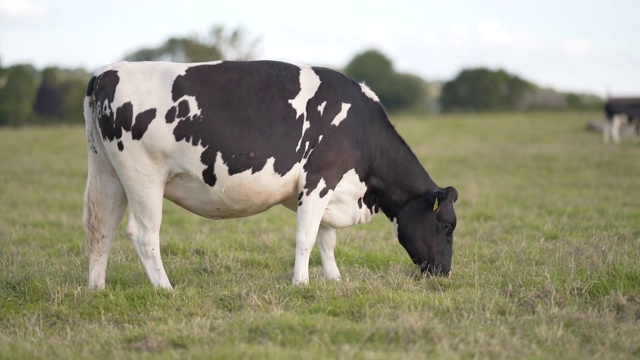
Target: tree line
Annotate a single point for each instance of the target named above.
(54, 95)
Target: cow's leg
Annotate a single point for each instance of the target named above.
(143, 228)
(615, 127)
(104, 206)
(309, 215)
(326, 244)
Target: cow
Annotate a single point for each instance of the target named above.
(231, 139)
(617, 112)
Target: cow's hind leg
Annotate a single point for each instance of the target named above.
(104, 206)
(326, 244)
(143, 228)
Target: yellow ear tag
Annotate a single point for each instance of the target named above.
(435, 205)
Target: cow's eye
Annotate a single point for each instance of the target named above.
(448, 227)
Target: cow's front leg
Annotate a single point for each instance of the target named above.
(309, 216)
(327, 244)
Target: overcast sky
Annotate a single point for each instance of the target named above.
(588, 45)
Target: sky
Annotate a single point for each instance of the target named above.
(590, 46)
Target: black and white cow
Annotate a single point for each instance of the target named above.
(232, 139)
(617, 112)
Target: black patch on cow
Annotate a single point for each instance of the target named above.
(90, 86)
(245, 115)
(183, 109)
(113, 122)
(141, 125)
(124, 118)
(360, 203)
(170, 116)
(209, 176)
(105, 89)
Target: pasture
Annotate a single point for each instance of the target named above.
(546, 260)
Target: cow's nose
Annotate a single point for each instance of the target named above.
(434, 269)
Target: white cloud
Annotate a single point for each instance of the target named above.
(460, 33)
(523, 41)
(380, 37)
(430, 39)
(493, 33)
(22, 9)
(576, 47)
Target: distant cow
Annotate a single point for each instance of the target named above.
(232, 139)
(618, 111)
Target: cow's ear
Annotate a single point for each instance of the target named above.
(434, 199)
(452, 193)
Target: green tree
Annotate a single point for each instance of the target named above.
(48, 102)
(396, 91)
(483, 89)
(218, 45)
(18, 86)
(57, 99)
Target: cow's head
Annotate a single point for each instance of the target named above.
(425, 228)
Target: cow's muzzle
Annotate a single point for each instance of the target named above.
(434, 269)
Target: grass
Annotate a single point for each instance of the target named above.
(546, 260)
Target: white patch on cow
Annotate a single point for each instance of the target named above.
(367, 91)
(321, 107)
(341, 115)
(309, 84)
(343, 209)
(237, 195)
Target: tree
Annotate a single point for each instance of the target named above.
(395, 90)
(373, 68)
(483, 89)
(48, 102)
(18, 86)
(57, 99)
(218, 45)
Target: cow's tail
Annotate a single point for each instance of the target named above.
(91, 215)
(89, 113)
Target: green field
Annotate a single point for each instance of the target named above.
(546, 260)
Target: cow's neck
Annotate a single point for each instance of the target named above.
(397, 176)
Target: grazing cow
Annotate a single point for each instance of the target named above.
(618, 111)
(232, 139)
